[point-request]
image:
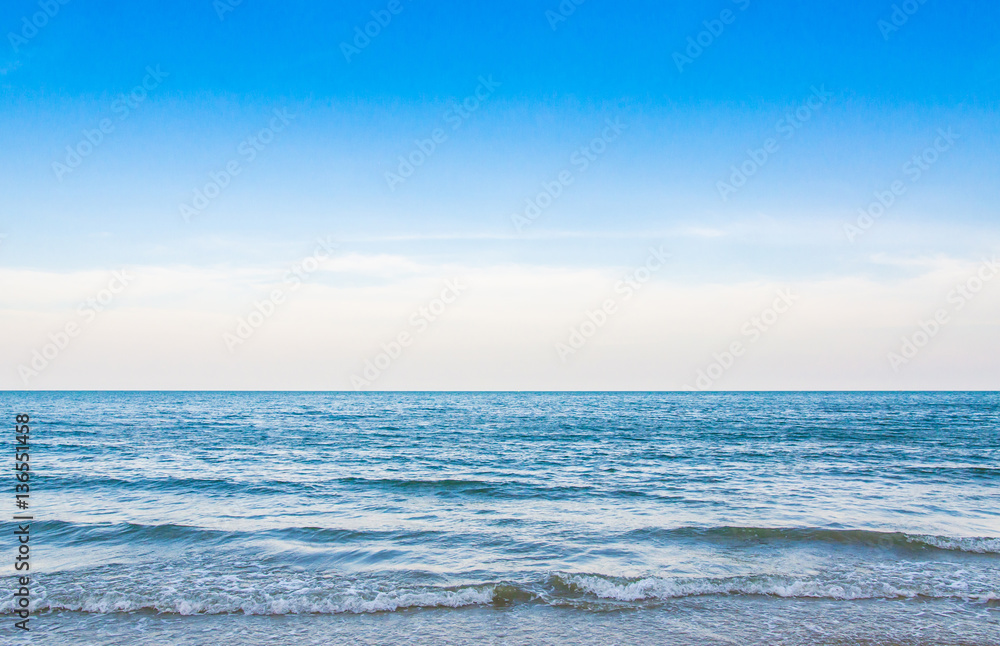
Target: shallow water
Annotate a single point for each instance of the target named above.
(246, 518)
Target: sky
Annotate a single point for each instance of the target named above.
(435, 195)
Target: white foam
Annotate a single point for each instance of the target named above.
(651, 588)
(966, 544)
(294, 603)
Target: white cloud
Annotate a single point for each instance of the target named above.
(165, 330)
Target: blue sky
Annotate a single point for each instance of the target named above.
(551, 88)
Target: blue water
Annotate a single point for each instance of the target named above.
(513, 518)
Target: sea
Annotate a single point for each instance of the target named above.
(252, 518)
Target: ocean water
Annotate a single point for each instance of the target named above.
(510, 518)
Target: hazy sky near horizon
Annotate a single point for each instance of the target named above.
(287, 195)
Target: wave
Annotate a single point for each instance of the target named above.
(857, 537)
(475, 488)
(68, 533)
(578, 591)
(659, 588)
(292, 604)
(506, 488)
(62, 533)
(169, 484)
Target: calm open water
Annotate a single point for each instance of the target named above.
(511, 518)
